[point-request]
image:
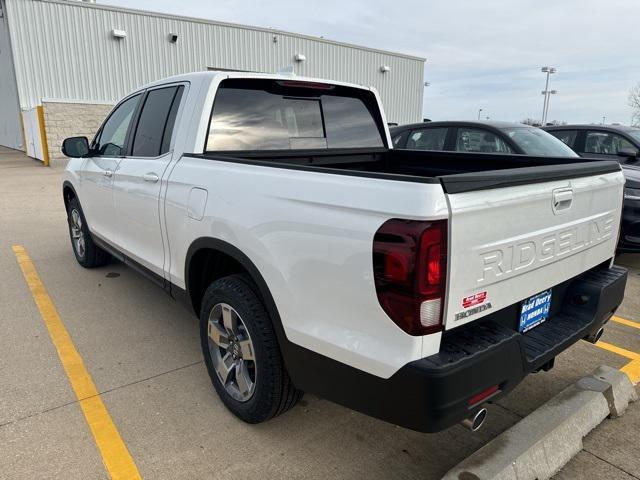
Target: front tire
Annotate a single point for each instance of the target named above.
(87, 253)
(241, 352)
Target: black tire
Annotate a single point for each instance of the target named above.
(91, 255)
(273, 391)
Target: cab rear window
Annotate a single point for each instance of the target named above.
(291, 115)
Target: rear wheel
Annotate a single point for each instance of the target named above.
(241, 352)
(87, 253)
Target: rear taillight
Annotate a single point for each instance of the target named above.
(410, 265)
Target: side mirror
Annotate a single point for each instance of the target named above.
(629, 153)
(75, 147)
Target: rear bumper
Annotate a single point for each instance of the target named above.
(488, 354)
(432, 394)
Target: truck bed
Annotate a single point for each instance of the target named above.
(457, 172)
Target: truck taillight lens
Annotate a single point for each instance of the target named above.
(410, 265)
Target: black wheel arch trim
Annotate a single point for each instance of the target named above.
(67, 184)
(184, 296)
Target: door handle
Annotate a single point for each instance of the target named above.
(108, 173)
(150, 177)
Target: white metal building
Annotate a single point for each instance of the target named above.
(81, 54)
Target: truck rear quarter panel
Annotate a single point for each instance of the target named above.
(310, 235)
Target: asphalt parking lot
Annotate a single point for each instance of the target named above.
(142, 352)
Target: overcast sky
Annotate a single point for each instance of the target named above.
(480, 54)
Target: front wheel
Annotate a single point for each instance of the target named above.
(87, 253)
(241, 352)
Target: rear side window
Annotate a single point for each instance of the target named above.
(478, 140)
(153, 132)
(427, 139)
(568, 137)
(606, 143)
(272, 115)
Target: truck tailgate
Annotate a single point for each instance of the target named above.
(518, 232)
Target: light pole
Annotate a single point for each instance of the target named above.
(426, 84)
(479, 112)
(546, 93)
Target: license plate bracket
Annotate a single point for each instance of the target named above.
(534, 311)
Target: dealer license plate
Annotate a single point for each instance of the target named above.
(534, 311)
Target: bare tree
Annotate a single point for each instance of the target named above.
(536, 123)
(634, 103)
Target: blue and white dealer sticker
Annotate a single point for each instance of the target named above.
(534, 311)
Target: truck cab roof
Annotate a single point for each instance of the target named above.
(211, 74)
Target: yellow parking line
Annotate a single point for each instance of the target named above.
(632, 369)
(620, 351)
(115, 454)
(626, 322)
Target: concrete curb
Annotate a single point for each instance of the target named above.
(539, 445)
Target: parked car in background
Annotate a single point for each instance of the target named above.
(479, 137)
(612, 142)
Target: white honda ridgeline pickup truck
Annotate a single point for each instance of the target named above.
(412, 286)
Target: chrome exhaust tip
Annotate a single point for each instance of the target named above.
(474, 423)
(594, 337)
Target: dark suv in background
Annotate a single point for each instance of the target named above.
(612, 142)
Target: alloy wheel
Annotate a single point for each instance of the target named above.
(77, 235)
(231, 351)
